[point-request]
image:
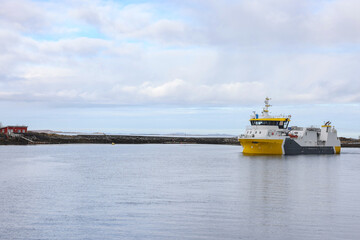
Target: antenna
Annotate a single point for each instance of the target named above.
(267, 105)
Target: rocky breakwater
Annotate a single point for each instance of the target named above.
(350, 142)
(44, 138)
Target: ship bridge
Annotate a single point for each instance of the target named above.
(281, 121)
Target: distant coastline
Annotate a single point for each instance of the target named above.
(32, 138)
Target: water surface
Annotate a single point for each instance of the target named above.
(175, 192)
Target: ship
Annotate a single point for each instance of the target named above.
(271, 135)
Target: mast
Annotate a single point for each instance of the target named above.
(265, 111)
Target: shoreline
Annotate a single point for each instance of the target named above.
(34, 138)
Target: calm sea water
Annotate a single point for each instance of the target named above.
(176, 192)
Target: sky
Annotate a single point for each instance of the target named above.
(180, 66)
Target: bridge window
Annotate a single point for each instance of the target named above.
(280, 124)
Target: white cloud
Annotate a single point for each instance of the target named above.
(165, 90)
(22, 15)
(78, 47)
(279, 23)
(208, 53)
(338, 22)
(180, 92)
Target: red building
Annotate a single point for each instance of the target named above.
(13, 129)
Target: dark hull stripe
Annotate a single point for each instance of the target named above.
(293, 148)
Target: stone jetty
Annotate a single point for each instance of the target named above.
(45, 138)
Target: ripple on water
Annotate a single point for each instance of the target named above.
(175, 192)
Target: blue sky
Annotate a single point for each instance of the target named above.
(178, 66)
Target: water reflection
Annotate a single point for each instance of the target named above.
(288, 192)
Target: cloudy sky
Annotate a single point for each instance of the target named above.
(194, 66)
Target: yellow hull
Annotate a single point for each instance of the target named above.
(337, 149)
(262, 146)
